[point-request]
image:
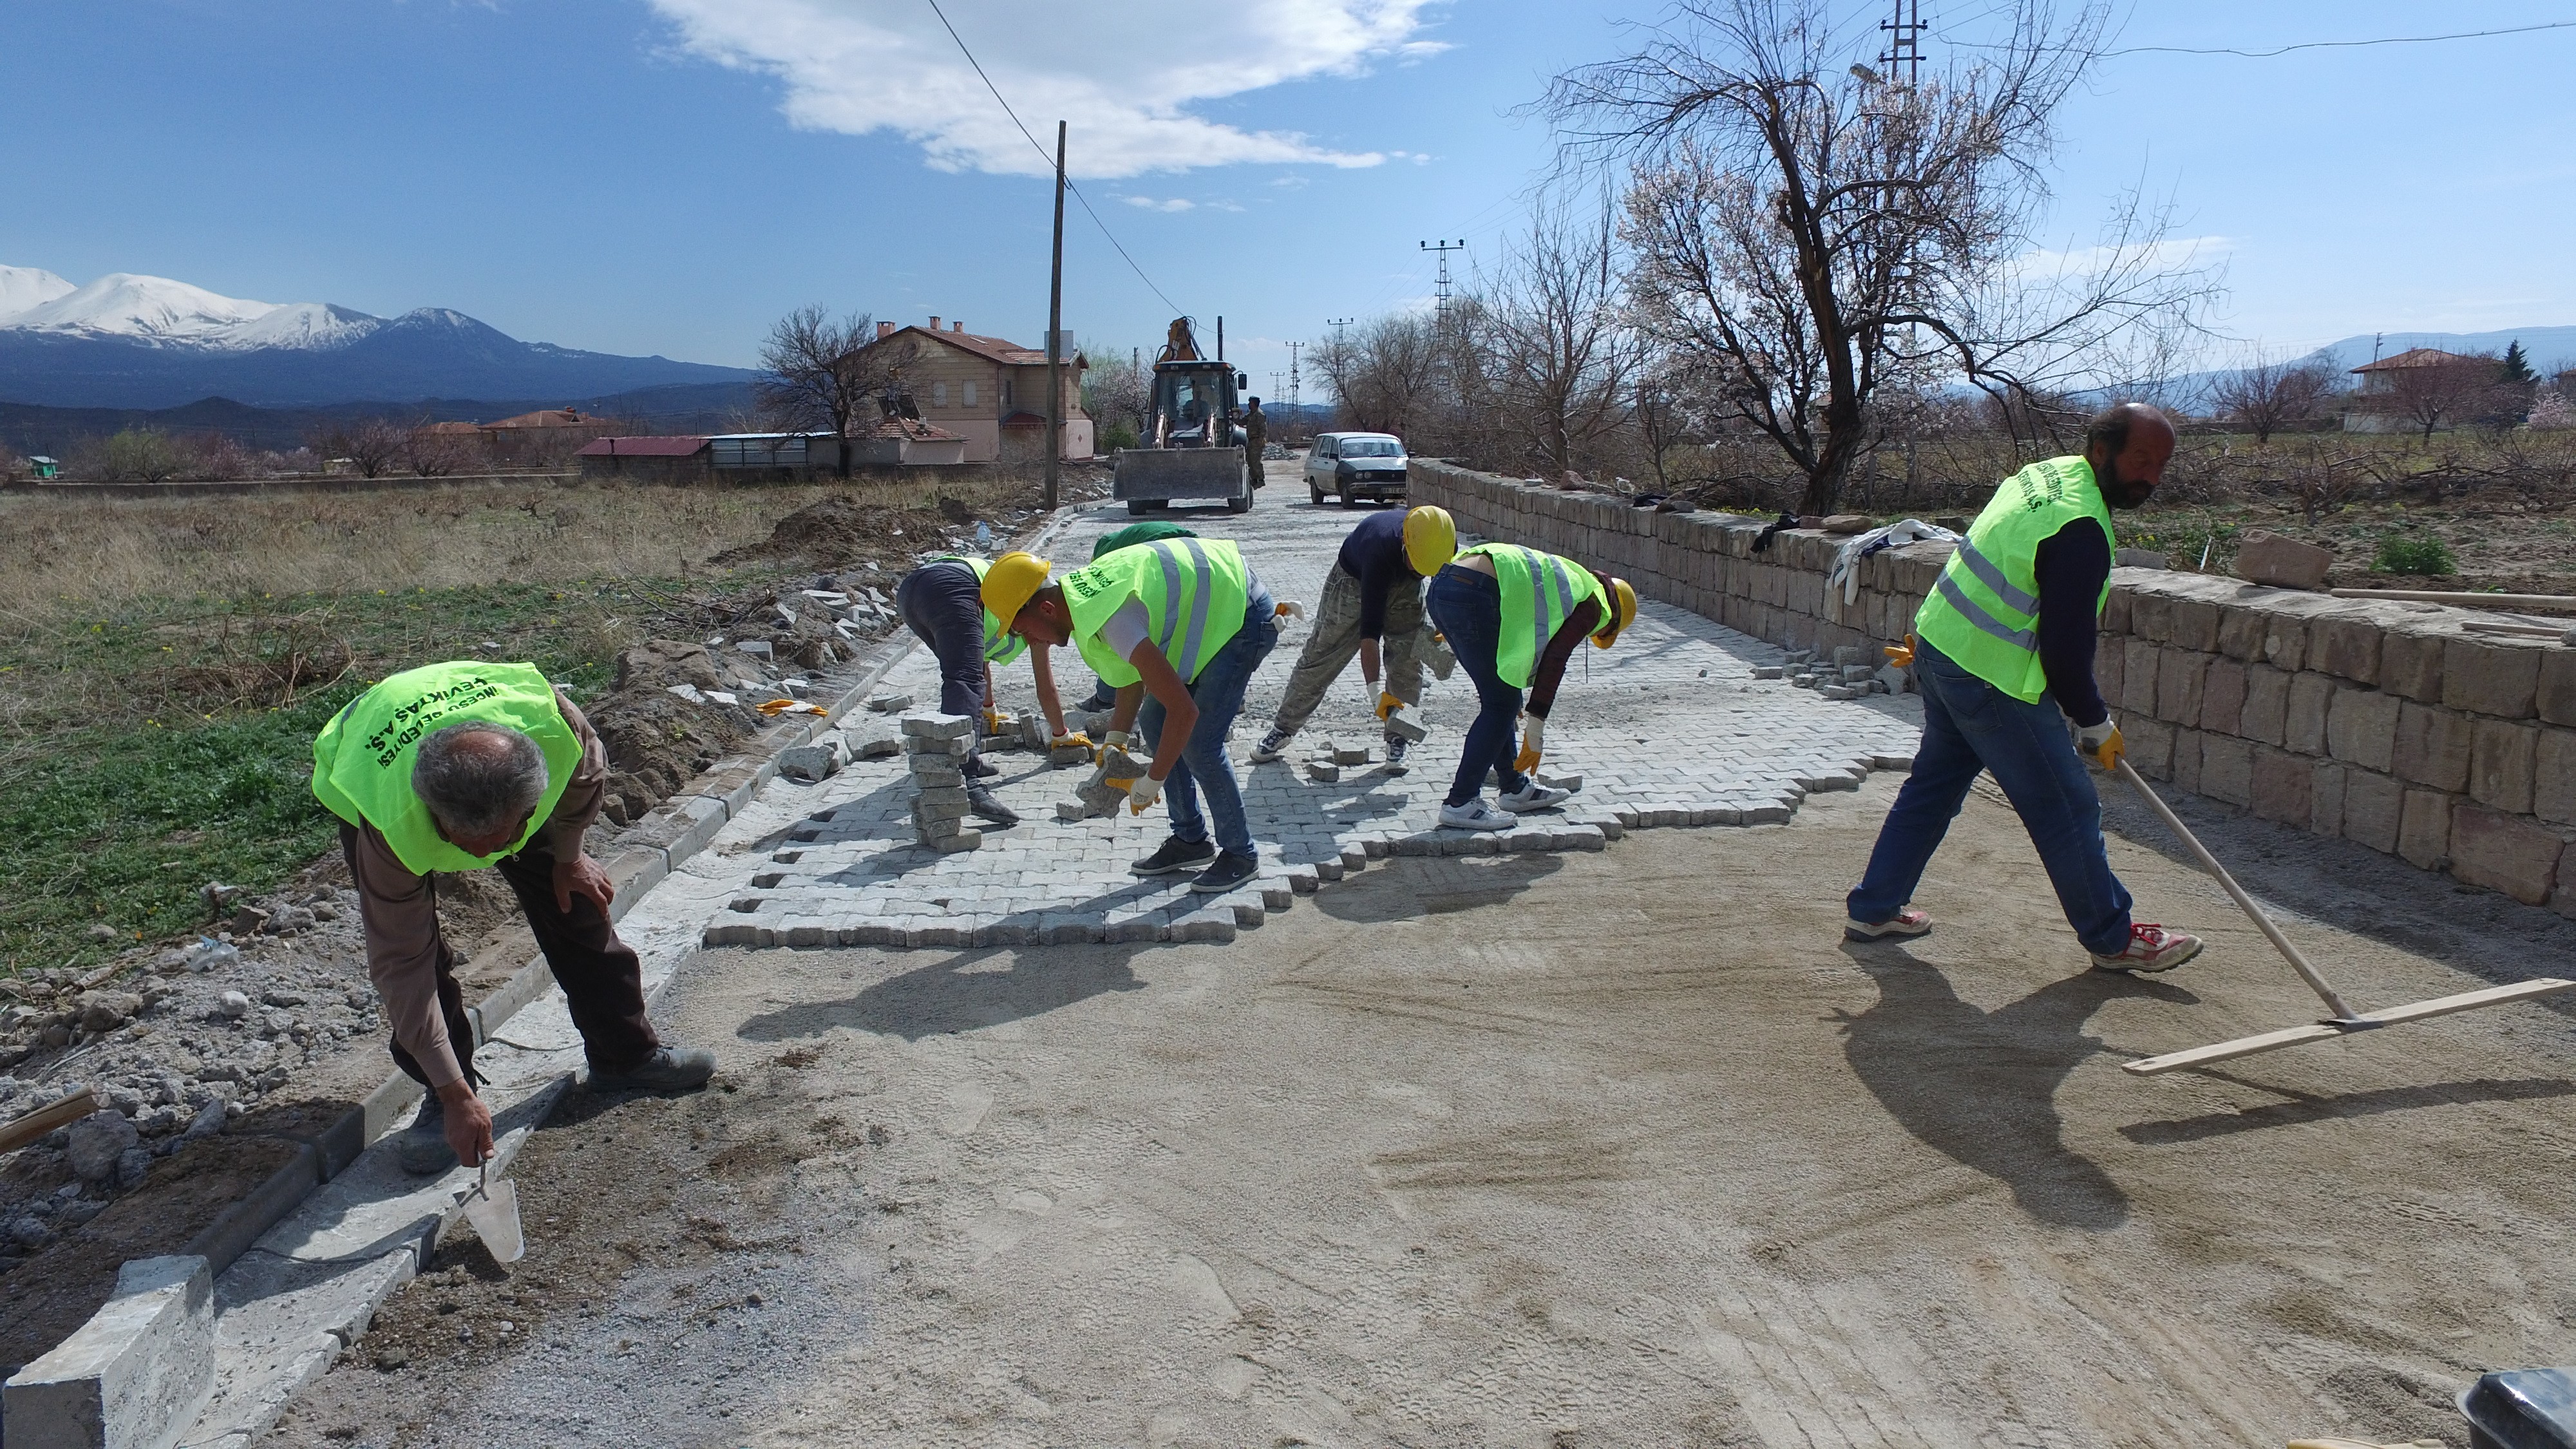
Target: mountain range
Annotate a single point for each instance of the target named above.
(129, 341)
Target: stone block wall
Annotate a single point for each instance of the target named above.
(2386, 723)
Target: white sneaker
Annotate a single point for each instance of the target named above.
(1474, 815)
(1534, 796)
(1272, 746)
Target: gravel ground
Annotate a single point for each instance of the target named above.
(1609, 1149)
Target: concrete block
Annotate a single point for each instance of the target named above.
(2222, 696)
(2303, 725)
(962, 840)
(2264, 557)
(2138, 678)
(811, 763)
(2284, 785)
(1323, 772)
(2553, 777)
(2325, 797)
(2346, 645)
(2267, 705)
(2504, 853)
(2361, 727)
(872, 746)
(929, 725)
(2374, 808)
(2410, 663)
(2195, 625)
(944, 799)
(2180, 673)
(2500, 765)
(134, 1375)
(2186, 759)
(2424, 830)
(1347, 755)
(2556, 700)
(2488, 678)
(890, 703)
(2227, 768)
(2432, 746)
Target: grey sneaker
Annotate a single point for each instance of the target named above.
(668, 1069)
(984, 805)
(1271, 747)
(1396, 745)
(422, 1147)
(1176, 855)
(1230, 870)
(1533, 796)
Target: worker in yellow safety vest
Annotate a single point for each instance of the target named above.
(1177, 626)
(2004, 660)
(1513, 615)
(453, 767)
(941, 602)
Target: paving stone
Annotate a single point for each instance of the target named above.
(890, 703)
(1323, 773)
(933, 726)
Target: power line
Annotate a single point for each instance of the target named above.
(1043, 155)
(2339, 44)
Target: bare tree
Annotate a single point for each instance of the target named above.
(2269, 394)
(1384, 375)
(1118, 391)
(1806, 230)
(1551, 342)
(431, 451)
(372, 445)
(824, 374)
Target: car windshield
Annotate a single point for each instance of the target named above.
(1372, 448)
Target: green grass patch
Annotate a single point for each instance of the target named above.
(2413, 553)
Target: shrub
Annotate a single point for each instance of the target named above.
(2413, 553)
(1117, 435)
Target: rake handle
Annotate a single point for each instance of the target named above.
(2316, 981)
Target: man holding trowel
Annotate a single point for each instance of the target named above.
(2004, 660)
(452, 767)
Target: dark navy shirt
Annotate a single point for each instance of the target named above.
(1374, 555)
(2072, 565)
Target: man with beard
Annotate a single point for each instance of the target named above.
(2004, 648)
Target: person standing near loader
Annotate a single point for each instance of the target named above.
(1187, 620)
(1256, 436)
(941, 602)
(2004, 659)
(453, 767)
(1513, 616)
(1373, 594)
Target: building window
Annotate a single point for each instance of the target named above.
(939, 394)
(970, 394)
(1006, 392)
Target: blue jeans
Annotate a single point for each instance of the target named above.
(1467, 608)
(1218, 692)
(1968, 726)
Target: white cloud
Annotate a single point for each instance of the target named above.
(1150, 204)
(1123, 76)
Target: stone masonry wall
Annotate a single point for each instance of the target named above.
(2386, 723)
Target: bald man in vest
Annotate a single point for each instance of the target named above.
(452, 767)
(2004, 659)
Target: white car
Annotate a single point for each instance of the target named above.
(1358, 466)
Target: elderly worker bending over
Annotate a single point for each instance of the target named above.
(451, 767)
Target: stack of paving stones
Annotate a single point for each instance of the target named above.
(936, 745)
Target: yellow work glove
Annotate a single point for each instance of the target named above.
(2101, 743)
(1533, 744)
(1901, 655)
(1062, 738)
(1387, 704)
(1142, 792)
(994, 720)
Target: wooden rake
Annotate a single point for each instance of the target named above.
(2344, 1021)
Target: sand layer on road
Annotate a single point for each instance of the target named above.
(1618, 1149)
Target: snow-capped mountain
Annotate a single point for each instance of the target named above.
(136, 341)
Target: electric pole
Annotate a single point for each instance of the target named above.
(1296, 410)
(1905, 46)
(1440, 283)
(1055, 339)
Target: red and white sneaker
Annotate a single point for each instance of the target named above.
(2151, 948)
(1907, 922)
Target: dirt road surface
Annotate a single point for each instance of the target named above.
(1616, 1149)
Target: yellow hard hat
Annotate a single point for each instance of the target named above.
(1011, 582)
(1623, 601)
(1430, 538)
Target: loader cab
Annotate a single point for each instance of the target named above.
(1187, 396)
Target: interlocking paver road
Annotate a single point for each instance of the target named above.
(1669, 728)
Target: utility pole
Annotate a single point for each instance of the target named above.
(1055, 339)
(1220, 337)
(1296, 406)
(1905, 46)
(1440, 283)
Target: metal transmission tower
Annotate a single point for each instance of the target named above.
(1295, 409)
(1905, 44)
(1440, 282)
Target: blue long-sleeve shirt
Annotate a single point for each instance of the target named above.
(1374, 555)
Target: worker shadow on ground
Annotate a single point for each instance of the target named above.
(2305, 1107)
(1413, 887)
(1980, 1086)
(966, 991)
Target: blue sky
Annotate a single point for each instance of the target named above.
(668, 176)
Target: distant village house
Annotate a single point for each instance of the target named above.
(989, 391)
